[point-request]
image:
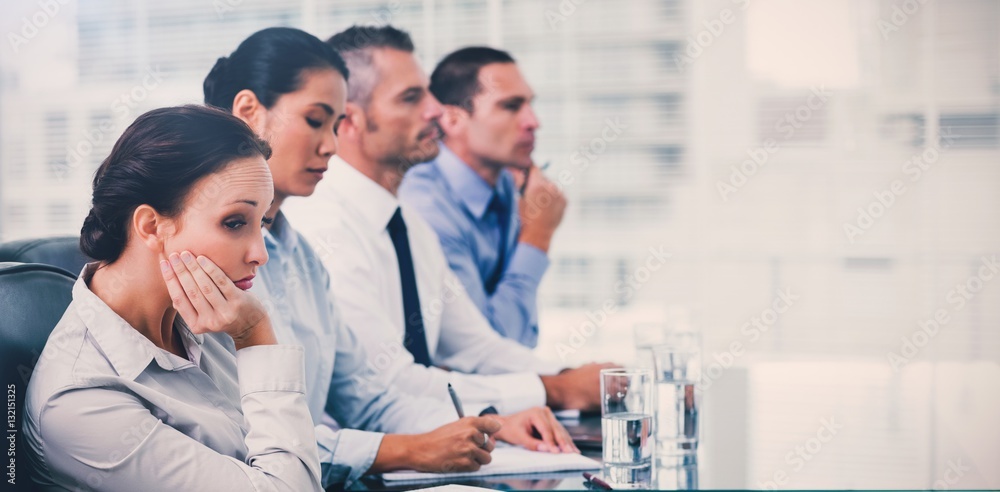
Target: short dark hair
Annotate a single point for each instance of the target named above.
(455, 80)
(355, 44)
(156, 161)
(270, 63)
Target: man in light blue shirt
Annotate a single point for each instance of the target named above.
(469, 194)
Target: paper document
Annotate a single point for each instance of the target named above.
(509, 460)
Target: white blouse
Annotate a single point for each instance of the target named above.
(106, 409)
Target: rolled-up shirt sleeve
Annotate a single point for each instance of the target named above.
(346, 454)
(105, 439)
(361, 397)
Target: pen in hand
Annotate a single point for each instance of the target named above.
(456, 402)
(527, 174)
(461, 413)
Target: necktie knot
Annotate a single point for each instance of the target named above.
(498, 206)
(396, 223)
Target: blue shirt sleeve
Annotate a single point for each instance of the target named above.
(512, 308)
(345, 454)
(360, 400)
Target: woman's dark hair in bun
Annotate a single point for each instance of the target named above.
(156, 161)
(270, 63)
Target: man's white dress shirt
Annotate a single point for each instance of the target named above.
(345, 221)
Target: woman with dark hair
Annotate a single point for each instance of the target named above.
(291, 88)
(138, 387)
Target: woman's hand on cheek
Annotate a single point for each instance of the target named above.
(209, 302)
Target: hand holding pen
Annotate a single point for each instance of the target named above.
(461, 411)
(527, 175)
(536, 428)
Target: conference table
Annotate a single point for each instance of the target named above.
(682, 475)
(842, 424)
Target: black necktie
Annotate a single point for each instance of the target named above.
(414, 340)
(502, 213)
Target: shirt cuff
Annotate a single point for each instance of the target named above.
(348, 450)
(528, 261)
(271, 368)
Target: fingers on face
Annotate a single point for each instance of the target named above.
(178, 297)
(192, 291)
(218, 277)
(205, 282)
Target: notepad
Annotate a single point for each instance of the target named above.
(509, 460)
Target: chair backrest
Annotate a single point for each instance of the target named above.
(63, 252)
(33, 298)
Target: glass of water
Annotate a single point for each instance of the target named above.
(678, 370)
(680, 474)
(627, 406)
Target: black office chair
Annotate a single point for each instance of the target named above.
(63, 252)
(33, 297)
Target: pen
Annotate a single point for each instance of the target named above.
(461, 413)
(527, 173)
(594, 479)
(456, 402)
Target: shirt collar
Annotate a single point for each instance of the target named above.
(281, 233)
(125, 348)
(369, 199)
(474, 192)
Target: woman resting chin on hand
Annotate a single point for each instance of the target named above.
(163, 373)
